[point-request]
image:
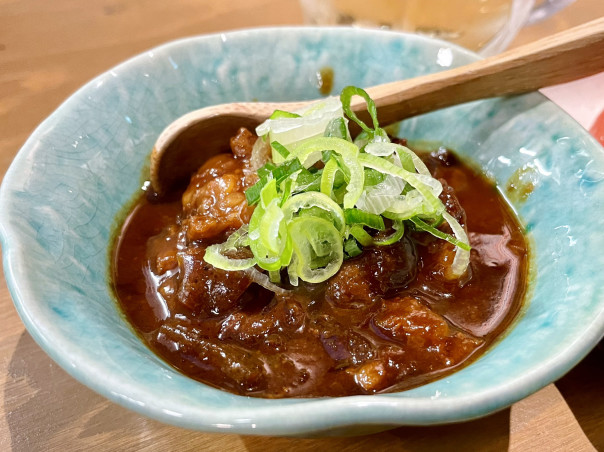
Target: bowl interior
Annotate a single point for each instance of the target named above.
(61, 196)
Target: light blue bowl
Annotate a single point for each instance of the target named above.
(61, 196)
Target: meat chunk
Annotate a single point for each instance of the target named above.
(391, 268)
(346, 347)
(214, 201)
(349, 287)
(162, 250)
(207, 289)
(228, 365)
(430, 343)
(216, 166)
(379, 271)
(243, 143)
(382, 372)
(281, 318)
(373, 375)
(225, 364)
(423, 342)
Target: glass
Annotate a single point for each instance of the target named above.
(485, 26)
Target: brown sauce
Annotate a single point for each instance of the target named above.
(325, 78)
(387, 321)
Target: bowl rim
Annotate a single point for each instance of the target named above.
(382, 409)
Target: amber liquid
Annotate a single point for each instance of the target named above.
(469, 23)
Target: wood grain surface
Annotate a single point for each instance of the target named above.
(48, 48)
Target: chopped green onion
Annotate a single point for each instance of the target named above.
(309, 152)
(315, 198)
(214, 256)
(363, 139)
(329, 176)
(337, 128)
(268, 193)
(380, 164)
(271, 227)
(361, 235)
(306, 123)
(346, 98)
(287, 188)
(278, 173)
(292, 271)
(278, 114)
(357, 216)
(266, 169)
(261, 233)
(318, 248)
(286, 169)
(352, 248)
(406, 162)
(380, 149)
(327, 155)
(404, 154)
(399, 231)
(409, 160)
(264, 258)
(307, 181)
(407, 206)
(373, 177)
(422, 226)
(282, 150)
(275, 276)
(461, 261)
(252, 194)
(344, 170)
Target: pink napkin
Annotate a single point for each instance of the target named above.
(584, 100)
(597, 130)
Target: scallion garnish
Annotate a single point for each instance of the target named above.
(338, 128)
(282, 150)
(280, 114)
(352, 248)
(252, 194)
(282, 172)
(358, 216)
(266, 169)
(315, 199)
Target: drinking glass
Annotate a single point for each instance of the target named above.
(485, 26)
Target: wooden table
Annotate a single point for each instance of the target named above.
(50, 48)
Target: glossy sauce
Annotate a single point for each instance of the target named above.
(387, 321)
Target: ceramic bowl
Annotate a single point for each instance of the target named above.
(60, 199)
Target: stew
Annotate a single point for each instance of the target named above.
(390, 319)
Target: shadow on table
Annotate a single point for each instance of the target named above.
(44, 405)
(47, 409)
(583, 390)
(491, 433)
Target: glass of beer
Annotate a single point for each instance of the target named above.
(485, 26)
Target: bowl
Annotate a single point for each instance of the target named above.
(68, 185)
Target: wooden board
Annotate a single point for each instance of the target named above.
(50, 48)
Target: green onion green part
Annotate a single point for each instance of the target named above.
(358, 216)
(352, 248)
(280, 149)
(278, 114)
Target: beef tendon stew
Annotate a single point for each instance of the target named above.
(307, 264)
